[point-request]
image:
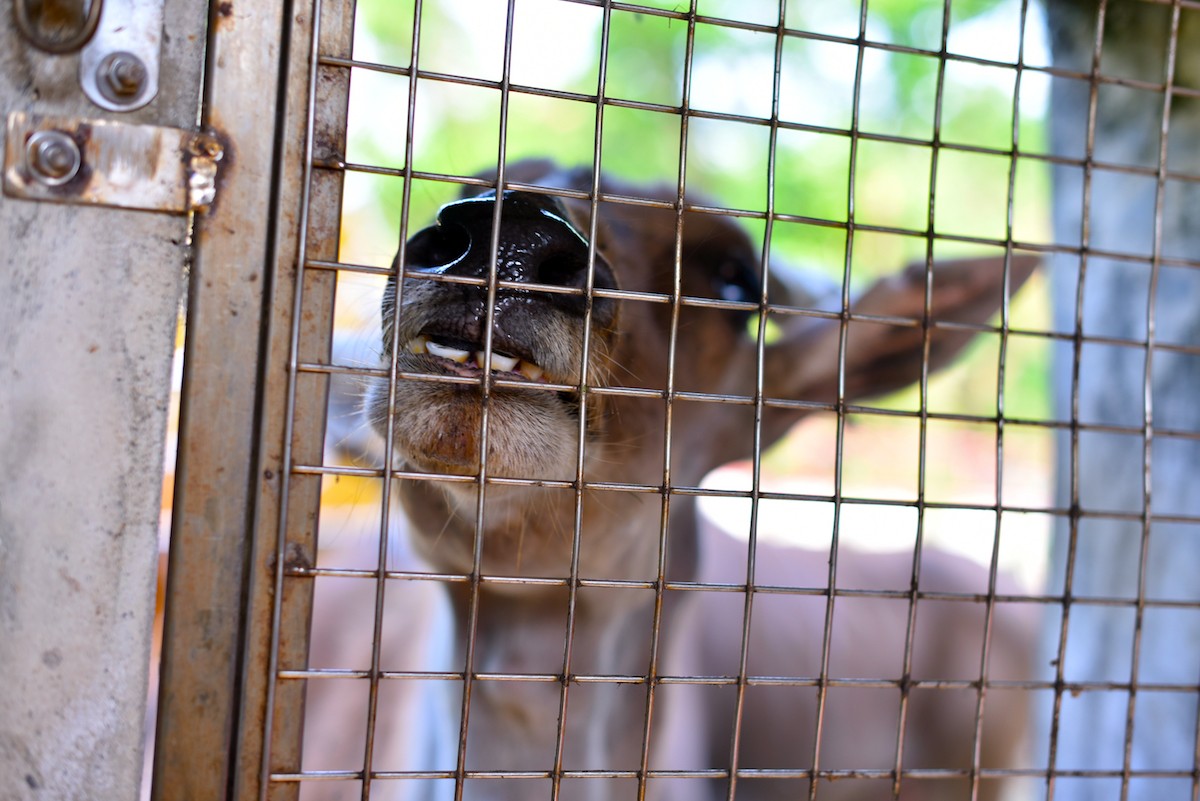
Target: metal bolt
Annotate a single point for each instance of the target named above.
(52, 157)
(121, 76)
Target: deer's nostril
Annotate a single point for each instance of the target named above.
(437, 247)
(563, 269)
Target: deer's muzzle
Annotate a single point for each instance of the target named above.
(542, 273)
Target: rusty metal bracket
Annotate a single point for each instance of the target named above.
(107, 163)
(55, 26)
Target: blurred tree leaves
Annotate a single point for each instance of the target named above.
(732, 70)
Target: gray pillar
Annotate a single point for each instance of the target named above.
(88, 305)
(1112, 558)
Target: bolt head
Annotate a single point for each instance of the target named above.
(121, 76)
(52, 157)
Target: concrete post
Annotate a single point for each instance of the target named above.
(1102, 728)
(88, 305)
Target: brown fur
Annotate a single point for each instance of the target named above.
(533, 433)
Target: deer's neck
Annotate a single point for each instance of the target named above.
(530, 532)
(518, 634)
(520, 671)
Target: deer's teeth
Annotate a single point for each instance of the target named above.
(447, 352)
(529, 370)
(500, 362)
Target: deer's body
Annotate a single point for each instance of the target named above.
(528, 531)
(860, 725)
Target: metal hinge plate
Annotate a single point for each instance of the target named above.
(108, 163)
(118, 69)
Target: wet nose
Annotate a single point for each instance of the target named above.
(538, 244)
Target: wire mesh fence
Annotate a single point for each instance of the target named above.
(531, 580)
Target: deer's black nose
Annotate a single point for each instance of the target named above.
(538, 244)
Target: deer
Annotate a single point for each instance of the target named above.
(577, 341)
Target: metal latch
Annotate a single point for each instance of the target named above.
(107, 163)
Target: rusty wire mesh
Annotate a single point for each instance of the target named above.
(1047, 688)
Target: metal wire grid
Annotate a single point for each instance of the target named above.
(667, 490)
(1148, 432)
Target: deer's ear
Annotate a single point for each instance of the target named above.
(886, 355)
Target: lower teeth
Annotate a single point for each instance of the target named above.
(500, 363)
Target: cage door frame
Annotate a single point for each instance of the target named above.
(231, 535)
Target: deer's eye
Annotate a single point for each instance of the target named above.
(735, 280)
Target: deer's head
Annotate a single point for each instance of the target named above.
(565, 364)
